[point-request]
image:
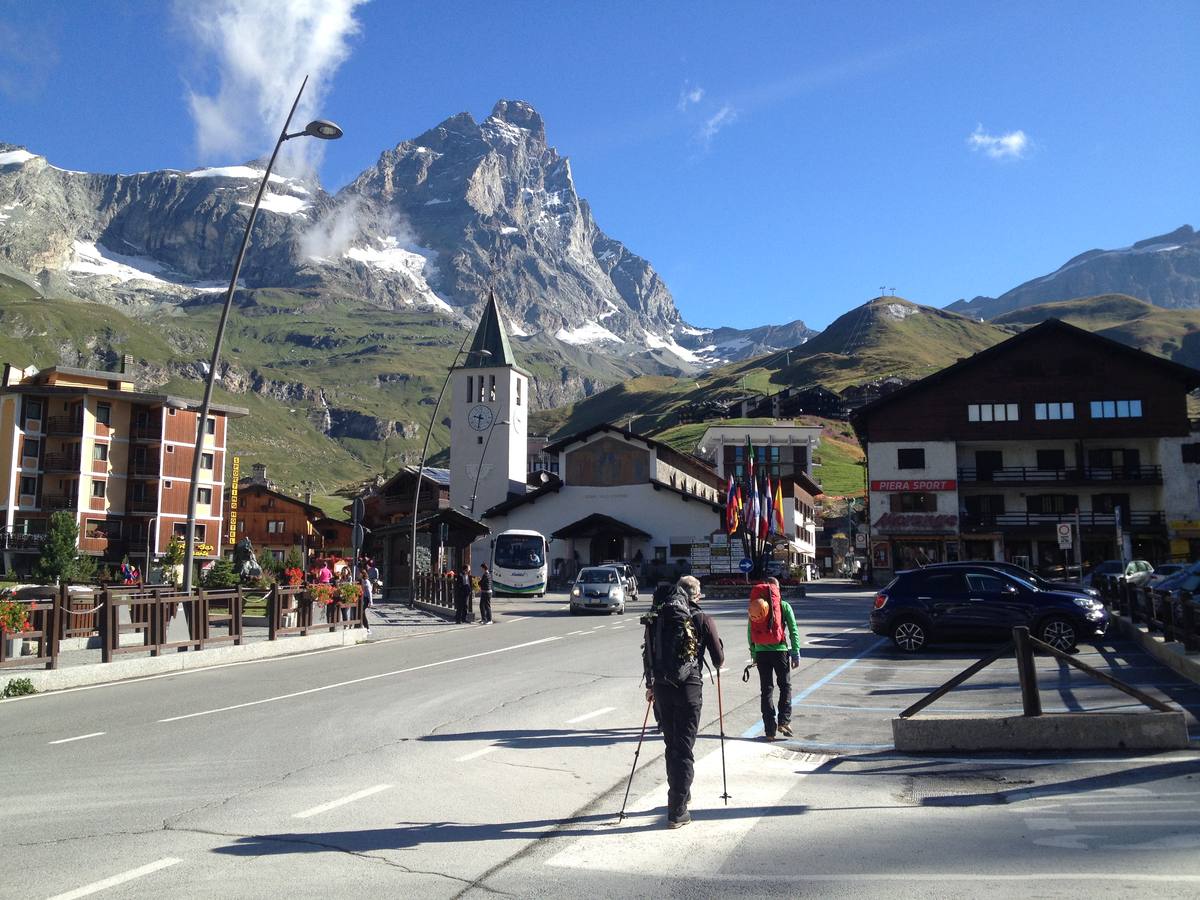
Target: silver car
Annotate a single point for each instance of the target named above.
(599, 589)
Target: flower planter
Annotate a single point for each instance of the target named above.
(17, 645)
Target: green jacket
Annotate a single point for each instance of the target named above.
(789, 619)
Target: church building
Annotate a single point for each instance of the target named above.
(616, 496)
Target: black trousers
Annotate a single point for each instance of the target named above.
(773, 666)
(485, 607)
(678, 711)
(461, 608)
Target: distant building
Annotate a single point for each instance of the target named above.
(119, 460)
(539, 460)
(785, 452)
(279, 523)
(1054, 427)
(812, 400)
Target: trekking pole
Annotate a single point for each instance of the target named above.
(636, 753)
(721, 719)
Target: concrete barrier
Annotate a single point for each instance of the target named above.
(122, 669)
(1171, 654)
(1053, 731)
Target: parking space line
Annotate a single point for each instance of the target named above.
(82, 737)
(113, 881)
(596, 713)
(334, 804)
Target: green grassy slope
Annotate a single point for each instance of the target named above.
(1173, 333)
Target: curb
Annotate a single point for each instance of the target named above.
(1053, 731)
(1170, 653)
(123, 669)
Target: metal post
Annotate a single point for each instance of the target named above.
(1031, 700)
(1187, 618)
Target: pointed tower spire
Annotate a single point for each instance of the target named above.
(492, 337)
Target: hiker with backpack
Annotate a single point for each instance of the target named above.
(678, 634)
(774, 641)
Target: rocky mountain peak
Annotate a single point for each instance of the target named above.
(521, 115)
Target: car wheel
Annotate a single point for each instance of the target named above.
(621, 610)
(1059, 633)
(909, 636)
(574, 611)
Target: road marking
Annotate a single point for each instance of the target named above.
(334, 804)
(97, 886)
(82, 737)
(820, 683)
(365, 678)
(597, 627)
(569, 633)
(691, 851)
(477, 754)
(592, 715)
(514, 618)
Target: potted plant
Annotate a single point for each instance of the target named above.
(348, 595)
(14, 622)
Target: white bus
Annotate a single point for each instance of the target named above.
(519, 564)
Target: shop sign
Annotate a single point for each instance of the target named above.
(916, 485)
(881, 555)
(917, 522)
(233, 500)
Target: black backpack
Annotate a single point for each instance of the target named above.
(672, 637)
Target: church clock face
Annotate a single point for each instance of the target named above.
(480, 418)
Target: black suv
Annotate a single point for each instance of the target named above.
(1020, 572)
(962, 603)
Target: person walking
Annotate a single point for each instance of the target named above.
(324, 574)
(485, 595)
(774, 645)
(678, 635)
(462, 596)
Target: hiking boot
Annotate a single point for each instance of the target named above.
(785, 728)
(769, 738)
(679, 821)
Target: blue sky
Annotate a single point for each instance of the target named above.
(773, 161)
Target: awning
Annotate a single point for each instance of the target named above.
(597, 525)
(426, 521)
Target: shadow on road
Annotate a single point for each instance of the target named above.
(408, 835)
(538, 738)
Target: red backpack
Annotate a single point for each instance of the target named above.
(766, 615)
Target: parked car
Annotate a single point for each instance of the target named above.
(1137, 572)
(1070, 587)
(1173, 586)
(966, 603)
(599, 589)
(628, 579)
(1161, 573)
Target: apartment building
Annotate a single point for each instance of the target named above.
(118, 459)
(1056, 426)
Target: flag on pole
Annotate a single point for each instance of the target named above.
(770, 509)
(749, 462)
(764, 507)
(778, 504)
(731, 509)
(752, 508)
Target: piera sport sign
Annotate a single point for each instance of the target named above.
(927, 484)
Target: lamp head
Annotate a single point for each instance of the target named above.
(323, 129)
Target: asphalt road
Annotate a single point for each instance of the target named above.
(471, 759)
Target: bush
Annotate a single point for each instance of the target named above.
(349, 592)
(293, 560)
(221, 575)
(18, 687)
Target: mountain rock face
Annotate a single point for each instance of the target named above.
(436, 223)
(1162, 270)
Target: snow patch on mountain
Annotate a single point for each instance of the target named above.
(658, 342)
(412, 261)
(592, 333)
(16, 157)
(900, 311)
(91, 259)
(284, 204)
(234, 172)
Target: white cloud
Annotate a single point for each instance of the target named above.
(261, 52)
(1013, 145)
(689, 96)
(722, 118)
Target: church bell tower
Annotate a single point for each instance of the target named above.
(489, 417)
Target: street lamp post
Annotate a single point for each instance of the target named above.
(318, 128)
(412, 547)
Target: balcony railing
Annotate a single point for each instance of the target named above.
(142, 505)
(64, 425)
(60, 501)
(1089, 519)
(17, 541)
(61, 462)
(1034, 475)
(144, 468)
(146, 433)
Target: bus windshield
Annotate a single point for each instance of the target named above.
(520, 551)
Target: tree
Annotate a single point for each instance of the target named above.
(293, 560)
(269, 564)
(60, 559)
(221, 575)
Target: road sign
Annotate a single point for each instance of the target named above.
(357, 510)
(745, 565)
(1065, 536)
(860, 539)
